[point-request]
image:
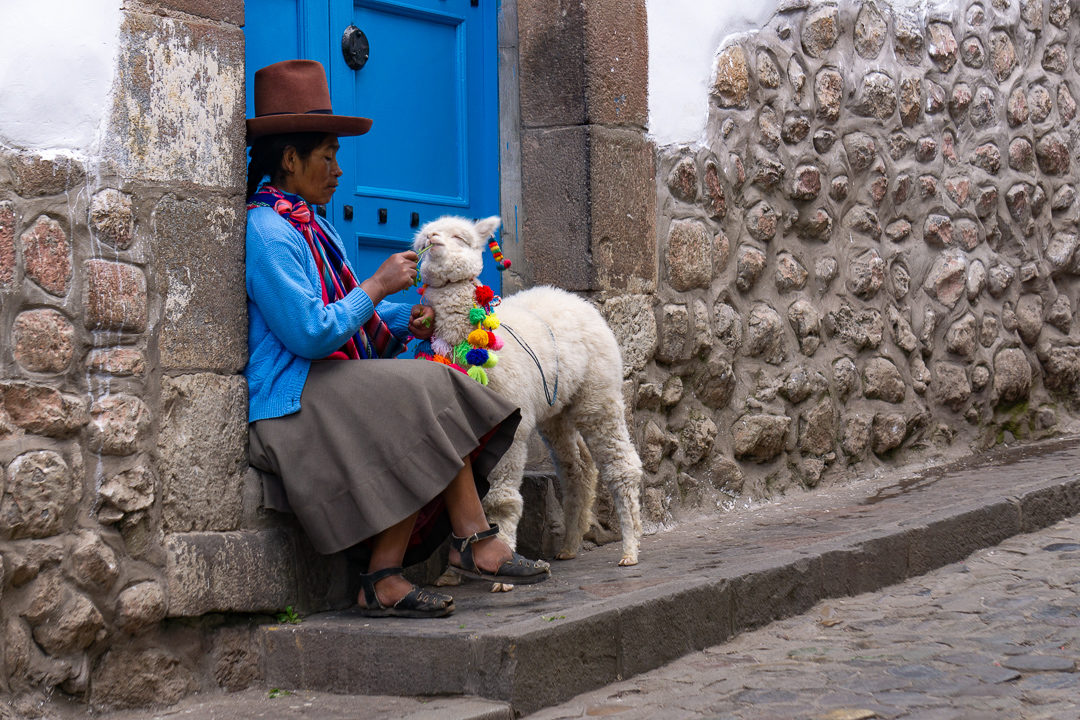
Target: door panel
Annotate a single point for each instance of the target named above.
(417, 152)
(433, 149)
(279, 30)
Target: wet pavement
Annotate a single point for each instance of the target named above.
(994, 636)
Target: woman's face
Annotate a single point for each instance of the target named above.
(315, 177)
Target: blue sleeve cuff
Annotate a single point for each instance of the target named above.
(360, 306)
(396, 316)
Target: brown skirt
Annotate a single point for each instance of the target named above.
(376, 441)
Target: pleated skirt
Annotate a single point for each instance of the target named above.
(376, 441)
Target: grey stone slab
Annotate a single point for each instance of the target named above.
(552, 66)
(201, 282)
(623, 247)
(230, 11)
(161, 82)
(1040, 509)
(992, 674)
(550, 663)
(776, 592)
(1040, 663)
(676, 624)
(202, 451)
(952, 537)
(556, 211)
(233, 571)
(284, 704)
(870, 563)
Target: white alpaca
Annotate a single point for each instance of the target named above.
(572, 343)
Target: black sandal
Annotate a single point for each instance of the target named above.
(418, 603)
(518, 570)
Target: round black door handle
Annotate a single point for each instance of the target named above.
(355, 47)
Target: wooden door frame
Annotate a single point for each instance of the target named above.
(510, 145)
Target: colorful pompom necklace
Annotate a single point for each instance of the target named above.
(477, 351)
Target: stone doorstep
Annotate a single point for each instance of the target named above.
(595, 623)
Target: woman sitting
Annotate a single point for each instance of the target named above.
(391, 454)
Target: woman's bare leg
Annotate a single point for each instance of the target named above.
(467, 517)
(388, 550)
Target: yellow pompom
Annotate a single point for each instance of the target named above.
(478, 338)
(492, 360)
(491, 322)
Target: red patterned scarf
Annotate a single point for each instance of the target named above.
(374, 340)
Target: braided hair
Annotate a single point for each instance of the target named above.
(267, 151)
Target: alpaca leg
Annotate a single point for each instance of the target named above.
(503, 504)
(617, 460)
(579, 481)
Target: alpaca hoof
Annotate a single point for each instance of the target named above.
(627, 561)
(566, 555)
(449, 579)
(501, 587)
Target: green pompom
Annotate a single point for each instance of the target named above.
(492, 359)
(460, 351)
(476, 315)
(477, 373)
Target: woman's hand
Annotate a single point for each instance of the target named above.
(396, 273)
(422, 321)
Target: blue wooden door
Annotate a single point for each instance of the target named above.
(277, 30)
(430, 85)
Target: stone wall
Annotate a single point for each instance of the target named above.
(871, 259)
(128, 514)
(587, 169)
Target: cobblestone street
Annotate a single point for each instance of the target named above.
(996, 636)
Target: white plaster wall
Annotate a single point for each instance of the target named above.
(57, 61)
(684, 38)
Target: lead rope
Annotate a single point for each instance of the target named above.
(553, 395)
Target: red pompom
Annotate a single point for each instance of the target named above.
(484, 295)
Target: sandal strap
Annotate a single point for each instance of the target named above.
(464, 545)
(367, 584)
(519, 566)
(420, 599)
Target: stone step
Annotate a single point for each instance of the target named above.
(278, 704)
(595, 623)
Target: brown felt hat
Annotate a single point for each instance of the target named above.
(292, 96)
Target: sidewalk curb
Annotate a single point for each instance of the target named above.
(594, 624)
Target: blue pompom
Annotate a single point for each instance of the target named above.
(477, 356)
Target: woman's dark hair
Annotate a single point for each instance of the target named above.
(266, 153)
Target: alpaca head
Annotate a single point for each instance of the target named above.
(453, 249)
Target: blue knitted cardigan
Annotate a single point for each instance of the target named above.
(288, 325)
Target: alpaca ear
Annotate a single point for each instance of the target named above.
(486, 228)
